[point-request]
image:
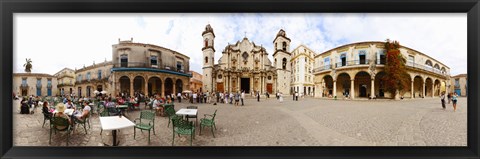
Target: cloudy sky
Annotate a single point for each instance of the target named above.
(56, 41)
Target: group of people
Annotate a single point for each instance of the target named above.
(450, 97)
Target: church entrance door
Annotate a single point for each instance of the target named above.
(269, 88)
(220, 87)
(245, 85)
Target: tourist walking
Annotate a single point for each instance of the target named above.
(231, 98)
(225, 98)
(442, 98)
(237, 98)
(194, 97)
(296, 96)
(179, 97)
(280, 98)
(454, 101)
(242, 96)
(449, 97)
(258, 96)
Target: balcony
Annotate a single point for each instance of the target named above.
(351, 63)
(64, 84)
(147, 65)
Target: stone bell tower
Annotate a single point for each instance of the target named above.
(208, 57)
(282, 58)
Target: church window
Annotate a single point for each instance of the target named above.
(284, 63)
(245, 56)
(153, 60)
(206, 42)
(219, 76)
(206, 59)
(284, 45)
(269, 77)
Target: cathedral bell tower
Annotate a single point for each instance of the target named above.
(208, 57)
(282, 64)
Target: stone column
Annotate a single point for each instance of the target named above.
(162, 92)
(411, 91)
(433, 90)
(423, 90)
(146, 87)
(372, 89)
(131, 87)
(352, 89)
(174, 87)
(334, 88)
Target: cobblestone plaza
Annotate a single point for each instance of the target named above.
(307, 122)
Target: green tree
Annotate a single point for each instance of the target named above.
(396, 79)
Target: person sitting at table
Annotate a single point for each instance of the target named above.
(169, 101)
(60, 113)
(158, 105)
(109, 103)
(69, 105)
(85, 113)
(46, 109)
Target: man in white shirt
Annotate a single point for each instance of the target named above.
(242, 96)
(194, 97)
(179, 97)
(208, 97)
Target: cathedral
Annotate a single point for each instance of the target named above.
(244, 66)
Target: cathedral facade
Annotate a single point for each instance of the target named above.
(244, 66)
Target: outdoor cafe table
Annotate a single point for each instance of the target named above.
(184, 111)
(114, 123)
(122, 108)
(69, 112)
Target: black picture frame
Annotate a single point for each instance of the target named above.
(9, 7)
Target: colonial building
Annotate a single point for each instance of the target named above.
(459, 84)
(148, 69)
(93, 78)
(356, 70)
(66, 81)
(36, 84)
(196, 82)
(302, 70)
(245, 66)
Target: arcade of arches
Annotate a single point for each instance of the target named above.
(358, 84)
(149, 83)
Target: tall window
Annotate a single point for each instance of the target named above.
(153, 60)
(206, 60)
(327, 62)
(49, 87)
(206, 42)
(457, 83)
(24, 81)
(284, 45)
(99, 74)
(39, 87)
(179, 66)
(124, 60)
(88, 76)
(411, 60)
(284, 63)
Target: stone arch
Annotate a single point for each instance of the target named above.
(379, 86)
(436, 66)
(418, 86)
(428, 87)
(138, 84)
(124, 84)
(437, 85)
(429, 63)
(154, 85)
(178, 86)
(327, 86)
(343, 84)
(168, 85)
(362, 84)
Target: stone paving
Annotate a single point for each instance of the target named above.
(308, 122)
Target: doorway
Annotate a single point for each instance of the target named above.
(245, 84)
(363, 90)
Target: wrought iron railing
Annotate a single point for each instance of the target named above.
(365, 62)
(147, 65)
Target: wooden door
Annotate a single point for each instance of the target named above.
(220, 87)
(269, 88)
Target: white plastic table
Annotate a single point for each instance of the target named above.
(186, 112)
(114, 123)
(69, 112)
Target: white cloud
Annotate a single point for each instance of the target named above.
(55, 41)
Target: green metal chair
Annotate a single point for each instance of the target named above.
(84, 122)
(210, 122)
(171, 115)
(59, 121)
(46, 117)
(183, 127)
(145, 122)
